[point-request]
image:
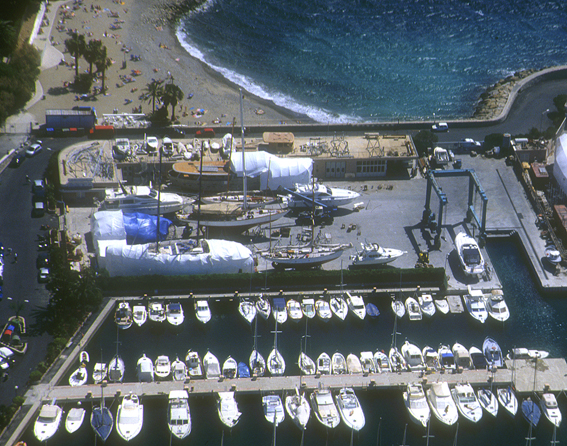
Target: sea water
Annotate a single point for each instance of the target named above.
(536, 322)
(375, 60)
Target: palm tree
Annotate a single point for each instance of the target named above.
(102, 63)
(92, 52)
(76, 46)
(172, 94)
(152, 91)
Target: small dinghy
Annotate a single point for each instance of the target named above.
(79, 376)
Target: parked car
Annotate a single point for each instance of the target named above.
(469, 144)
(6, 356)
(38, 188)
(34, 149)
(38, 209)
(17, 159)
(440, 127)
(42, 260)
(43, 275)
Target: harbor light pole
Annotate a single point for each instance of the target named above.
(541, 119)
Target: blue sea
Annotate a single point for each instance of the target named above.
(375, 60)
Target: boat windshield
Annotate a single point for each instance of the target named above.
(471, 256)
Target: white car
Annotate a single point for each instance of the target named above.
(34, 149)
(440, 127)
(43, 275)
(5, 357)
(469, 143)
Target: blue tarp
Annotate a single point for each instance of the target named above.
(142, 228)
(243, 370)
(279, 303)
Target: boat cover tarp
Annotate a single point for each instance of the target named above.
(273, 171)
(560, 168)
(133, 227)
(279, 303)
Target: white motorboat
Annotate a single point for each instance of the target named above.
(524, 353)
(303, 196)
(548, 404)
(372, 254)
(488, 401)
(507, 399)
(294, 310)
(496, 306)
(469, 254)
(156, 312)
(142, 199)
(475, 304)
(462, 356)
(306, 364)
(354, 367)
(179, 414)
(397, 361)
(229, 368)
(228, 409)
(382, 362)
(116, 369)
(273, 409)
(297, 407)
(129, 417)
(263, 306)
(467, 403)
(47, 422)
(139, 314)
(356, 305)
(323, 310)
(440, 157)
(324, 364)
(552, 255)
(446, 358)
(212, 366)
(194, 364)
(398, 308)
(308, 308)
(442, 404)
(123, 316)
(279, 310)
(442, 305)
(430, 357)
(416, 404)
(324, 408)
(492, 353)
(367, 363)
(74, 419)
(162, 367)
(178, 370)
(202, 310)
(338, 364)
(174, 313)
(349, 409)
(257, 363)
(145, 369)
(247, 309)
(99, 373)
(413, 309)
(79, 376)
(426, 304)
(477, 358)
(339, 307)
(413, 357)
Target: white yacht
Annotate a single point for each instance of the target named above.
(139, 314)
(324, 408)
(323, 310)
(467, 403)
(123, 316)
(382, 362)
(279, 310)
(228, 409)
(156, 312)
(308, 308)
(416, 404)
(338, 364)
(442, 305)
(413, 309)
(145, 369)
(507, 399)
(304, 194)
(229, 368)
(47, 422)
(263, 306)
(324, 364)
(194, 364)
(430, 357)
(142, 199)
(446, 358)
(354, 366)
(548, 404)
(74, 419)
(475, 304)
(339, 307)
(273, 409)
(469, 254)
(174, 313)
(356, 305)
(129, 417)
(367, 363)
(398, 308)
(496, 306)
(99, 373)
(202, 310)
(247, 309)
(373, 254)
(162, 367)
(294, 310)
(306, 364)
(488, 401)
(349, 409)
(79, 376)
(179, 414)
(297, 407)
(178, 370)
(426, 304)
(441, 403)
(462, 356)
(413, 357)
(212, 366)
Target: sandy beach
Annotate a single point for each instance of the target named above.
(140, 28)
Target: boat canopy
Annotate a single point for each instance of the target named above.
(133, 227)
(279, 303)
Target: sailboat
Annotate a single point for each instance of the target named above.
(276, 362)
(257, 362)
(297, 407)
(102, 421)
(116, 366)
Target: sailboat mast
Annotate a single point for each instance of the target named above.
(244, 181)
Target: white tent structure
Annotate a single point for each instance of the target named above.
(560, 167)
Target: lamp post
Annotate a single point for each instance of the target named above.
(433, 117)
(541, 119)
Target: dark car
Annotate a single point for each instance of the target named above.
(42, 260)
(17, 159)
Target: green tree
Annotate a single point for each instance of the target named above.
(171, 95)
(8, 37)
(102, 63)
(92, 53)
(153, 91)
(76, 45)
(423, 140)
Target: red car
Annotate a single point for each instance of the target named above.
(205, 133)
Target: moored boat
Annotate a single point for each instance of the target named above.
(243, 370)
(382, 362)
(550, 409)
(247, 309)
(397, 361)
(229, 368)
(294, 310)
(263, 306)
(354, 366)
(308, 308)
(488, 401)
(162, 367)
(339, 307)
(228, 409)
(324, 408)
(100, 371)
(212, 366)
(129, 417)
(273, 409)
(398, 308)
(145, 369)
(426, 304)
(430, 357)
(79, 376)
(178, 370)
(257, 363)
(306, 364)
(174, 313)
(462, 356)
(123, 315)
(441, 403)
(323, 310)
(477, 358)
(412, 356)
(442, 305)
(531, 411)
(116, 369)
(475, 304)
(416, 404)
(496, 306)
(349, 409)
(74, 420)
(202, 310)
(467, 403)
(324, 364)
(47, 422)
(507, 399)
(338, 364)
(297, 407)
(279, 310)
(179, 414)
(446, 358)
(156, 312)
(356, 305)
(139, 314)
(372, 310)
(194, 364)
(367, 363)
(413, 309)
(492, 353)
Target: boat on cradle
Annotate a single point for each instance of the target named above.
(74, 419)
(492, 353)
(294, 310)
(488, 401)
(416, 404)
(156, 312)
(367, 363)
(79, 376)
(47, 422)
(339, 307)
(430, 357)
(550, 409)
(145, 369)
(356, 305)
(324, 364)
(279, 310)
(15, 328)
(194, 364)
(338, 364)
(179, 414)
(524, 353)
(462, 356)
(263, 306)
(189, 176)
(116, 369)
(442, 305)
(323, 310)
(228, 409)
(446, 358)
(308, 308)
(202, 310)
(552, 255)
(99, 373)
(397, 361)
(162, 367)
(257, 363)
(247, 309)
(442, 404)
(174, 313)
(297, 407)
(478, 359)
(254, 199)
(466, 402)
(531, 411)
(212, 366)
(372, 310)
(349, 409)
(440, 157)
(496, 306)
(372, 254)
(139, 314)
(382, 362)
(123, 316)
(302, 256)
(178, 370)
(303, 196)
(306, 364)
(229, 368)
(469, 254)
(273, 409)
(413, 357)
(129, 417)
(354, 367)
(507, 399)
(141, 199)
(413, 309)
(475, 304)
(243, 370)
(398, 308)
(324, 408)
(426, 304)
